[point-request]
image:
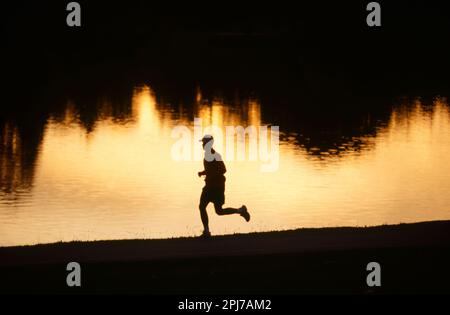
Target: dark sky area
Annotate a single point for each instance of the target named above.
(317, 43)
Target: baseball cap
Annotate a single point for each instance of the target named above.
(206, 138)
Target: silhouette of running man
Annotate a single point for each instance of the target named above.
(214, 189)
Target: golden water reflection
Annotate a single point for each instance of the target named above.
(120, 181)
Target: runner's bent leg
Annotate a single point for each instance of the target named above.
(225, 211)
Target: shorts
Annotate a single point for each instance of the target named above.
(214, 194)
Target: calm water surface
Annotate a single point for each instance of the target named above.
(116, 179)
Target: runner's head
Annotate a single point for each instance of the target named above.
(207, 139)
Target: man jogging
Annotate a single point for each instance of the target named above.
(214, 189)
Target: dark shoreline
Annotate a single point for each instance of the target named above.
(414, 258)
